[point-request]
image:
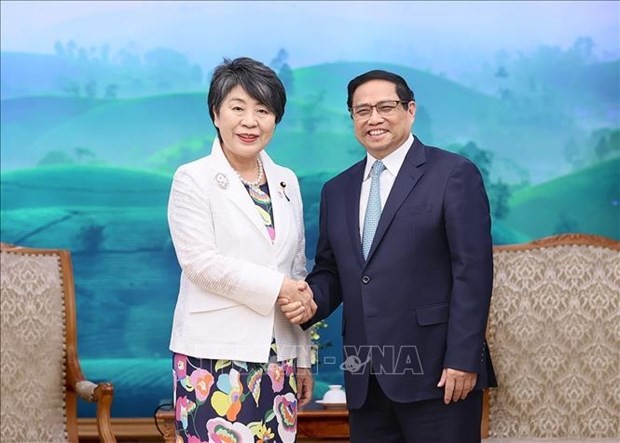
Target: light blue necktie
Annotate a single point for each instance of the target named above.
(373, 209)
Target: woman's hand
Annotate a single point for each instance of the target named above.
(296, 301)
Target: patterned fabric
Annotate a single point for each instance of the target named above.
(235, 402)
(373, 210)
(32, 349)
(554, 334)
(262, 200)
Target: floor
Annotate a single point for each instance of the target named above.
(550, 440)
(504, 440)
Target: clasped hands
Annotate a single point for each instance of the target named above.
(296, 301)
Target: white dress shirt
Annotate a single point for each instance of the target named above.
(392, 163)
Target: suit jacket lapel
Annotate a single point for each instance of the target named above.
(352, 195)
(406, 179)
(235, 190)
(281, 207)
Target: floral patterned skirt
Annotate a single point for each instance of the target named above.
(233, 401)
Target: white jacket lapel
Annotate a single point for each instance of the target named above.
(234, 189)
(280, 205)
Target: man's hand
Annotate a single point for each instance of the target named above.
(305, 383)
(458, 384)
(296, 301)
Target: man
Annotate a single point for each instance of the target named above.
(405, 245)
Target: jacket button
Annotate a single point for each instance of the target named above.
(365, 279)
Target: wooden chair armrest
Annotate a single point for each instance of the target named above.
(101, 393)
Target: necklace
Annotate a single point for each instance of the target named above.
(254, 184)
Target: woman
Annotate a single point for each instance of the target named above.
(241, 361)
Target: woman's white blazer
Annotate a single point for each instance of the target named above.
(231, 270)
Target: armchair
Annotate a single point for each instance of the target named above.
(553, 334)
(41, 375)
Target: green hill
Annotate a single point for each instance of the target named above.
(123, 132)
(450, 113)
(441, 97)
(441, 119)
(584, 201)
(161, 133)
(316, 133)
(114, 223)
(25, 119)
(72, 186)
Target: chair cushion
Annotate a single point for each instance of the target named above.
(554, 329)
(32, 349)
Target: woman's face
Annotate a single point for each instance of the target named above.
(246, 126)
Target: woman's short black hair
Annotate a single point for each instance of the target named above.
(259, 81)
(403, 90)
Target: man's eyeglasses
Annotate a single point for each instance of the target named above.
(384, 108)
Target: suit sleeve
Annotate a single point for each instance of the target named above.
(324, 278)
(468, 231)
(193, 235)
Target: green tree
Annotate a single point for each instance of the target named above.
(81, 153)
(565, 225)
(286, 75)
(56, 158)
(70, 87)
(602, 148)
(614, 141)
(169, 68)
(423, 124)
(91, 237)
(90, 89)
(312, 112)
(572, 153)
(281, 58)
(111, 90)
(499, 194)
(281, 66)
(481, 157)
(71, 48)
(501, 72)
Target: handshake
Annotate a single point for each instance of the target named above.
(296, 301)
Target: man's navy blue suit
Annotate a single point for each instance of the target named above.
(420, 302)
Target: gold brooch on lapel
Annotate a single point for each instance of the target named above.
(221, 180)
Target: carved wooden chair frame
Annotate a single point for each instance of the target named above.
(76, 383)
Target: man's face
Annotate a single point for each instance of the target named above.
(381, 134)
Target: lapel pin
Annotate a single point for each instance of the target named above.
(283, 191)
(221, 180)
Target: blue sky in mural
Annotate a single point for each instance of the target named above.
(449, 37)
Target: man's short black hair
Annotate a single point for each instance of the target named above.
(403, 90)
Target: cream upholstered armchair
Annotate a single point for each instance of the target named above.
(554, 336)
(41, 375)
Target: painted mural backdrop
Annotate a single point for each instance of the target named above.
(102, 101)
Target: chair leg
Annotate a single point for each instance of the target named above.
(104, 395)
